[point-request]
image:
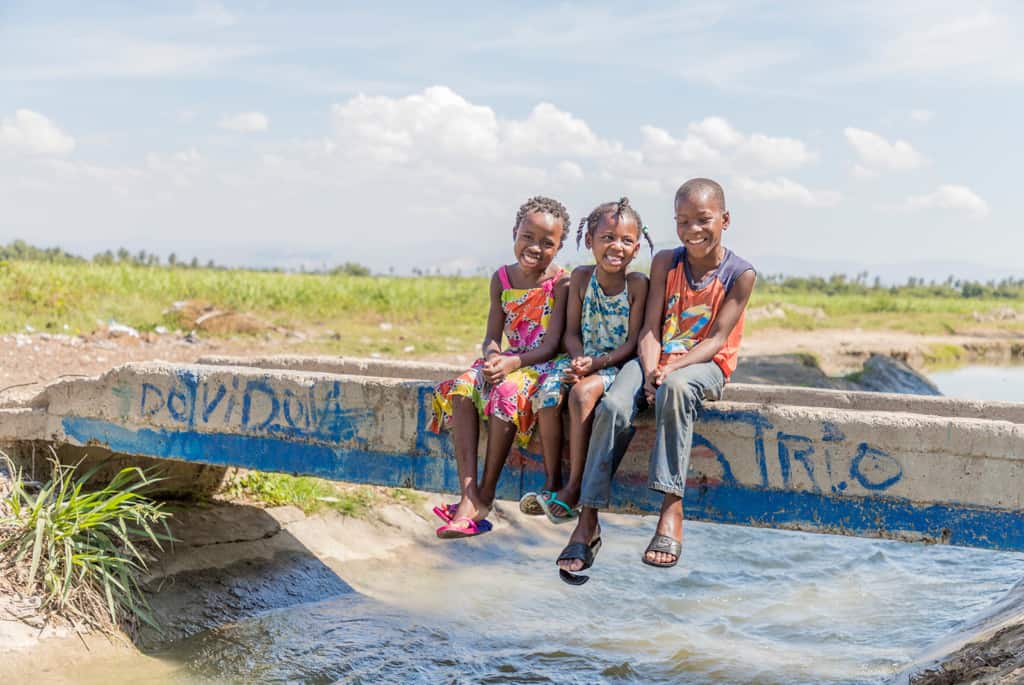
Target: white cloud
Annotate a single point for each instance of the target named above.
(214, 13)
(661, 147)
(31, 133)
(188, 156)
(551, 131)
(180, 168)
(86, 53)
(776, 153)
(436, 123)
(570, 171)
(877, 152)
(921, 116)
(245, 122)
(430, 169)
(859, 171)
(982, 47)
(786, 190)
(717, 131)
(955, 197)
(714, 139)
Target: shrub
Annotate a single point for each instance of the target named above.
(79, 550)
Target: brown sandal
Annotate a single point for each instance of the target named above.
(663, 543)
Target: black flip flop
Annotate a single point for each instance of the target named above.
(663, 543)
(583, 552)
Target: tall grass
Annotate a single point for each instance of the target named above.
(49, 297)
(431, 313)
(79, 549)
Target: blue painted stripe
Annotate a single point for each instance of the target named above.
(725, 503)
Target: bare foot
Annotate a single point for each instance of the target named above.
(587, 528)
(471, 507)
(670, 524)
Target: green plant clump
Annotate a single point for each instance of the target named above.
(78, 550)
(308, 494)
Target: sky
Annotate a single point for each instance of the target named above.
(870, 135)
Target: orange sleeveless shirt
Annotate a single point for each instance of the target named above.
(691, 309)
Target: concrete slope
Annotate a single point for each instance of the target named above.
(853, 463)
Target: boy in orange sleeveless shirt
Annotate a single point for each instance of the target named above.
(692, 328)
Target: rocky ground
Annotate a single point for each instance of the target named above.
(998, 660)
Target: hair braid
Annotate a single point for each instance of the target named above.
(620, 208)
(544, 205)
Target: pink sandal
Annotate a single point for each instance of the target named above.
(446, 512)
(463, 527)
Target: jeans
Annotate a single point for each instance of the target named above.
(676, 404)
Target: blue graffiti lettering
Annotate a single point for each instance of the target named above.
(210, 406)
(802, 448)
(295, 416)
(148, 390)
(727, 477)
(175, 397)
(753, 419)
(275, 404)
(875, 469)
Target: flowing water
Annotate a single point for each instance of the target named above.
(743, 606)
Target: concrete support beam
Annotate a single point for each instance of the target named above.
(853, 463)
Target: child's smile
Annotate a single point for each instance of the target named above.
(700, 220)
(538, 240)
(615, 243)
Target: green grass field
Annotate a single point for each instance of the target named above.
(434, 314)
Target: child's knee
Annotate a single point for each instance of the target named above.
(678, 388)
(585, 395)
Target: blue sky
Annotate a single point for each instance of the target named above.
(870, 135)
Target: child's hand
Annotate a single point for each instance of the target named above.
(582, 366)
(662, 372)
(498, 367)
(651, 386)
(570, 378)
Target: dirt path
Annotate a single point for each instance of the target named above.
(28, 361)
(841, 352)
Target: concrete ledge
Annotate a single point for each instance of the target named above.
(736, 392)
(856, 463)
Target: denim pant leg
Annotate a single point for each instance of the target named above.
(611, 433)
(676, 404)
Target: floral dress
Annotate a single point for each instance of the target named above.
(527, 316)
(604, 327)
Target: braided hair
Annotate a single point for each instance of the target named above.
(620, 209)
(544, 205)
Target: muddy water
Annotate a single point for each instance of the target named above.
(745, 606)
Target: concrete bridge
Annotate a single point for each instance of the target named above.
(895, 466)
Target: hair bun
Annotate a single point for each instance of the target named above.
(624, 202)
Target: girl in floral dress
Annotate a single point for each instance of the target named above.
(605, 312)
(528, 301)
